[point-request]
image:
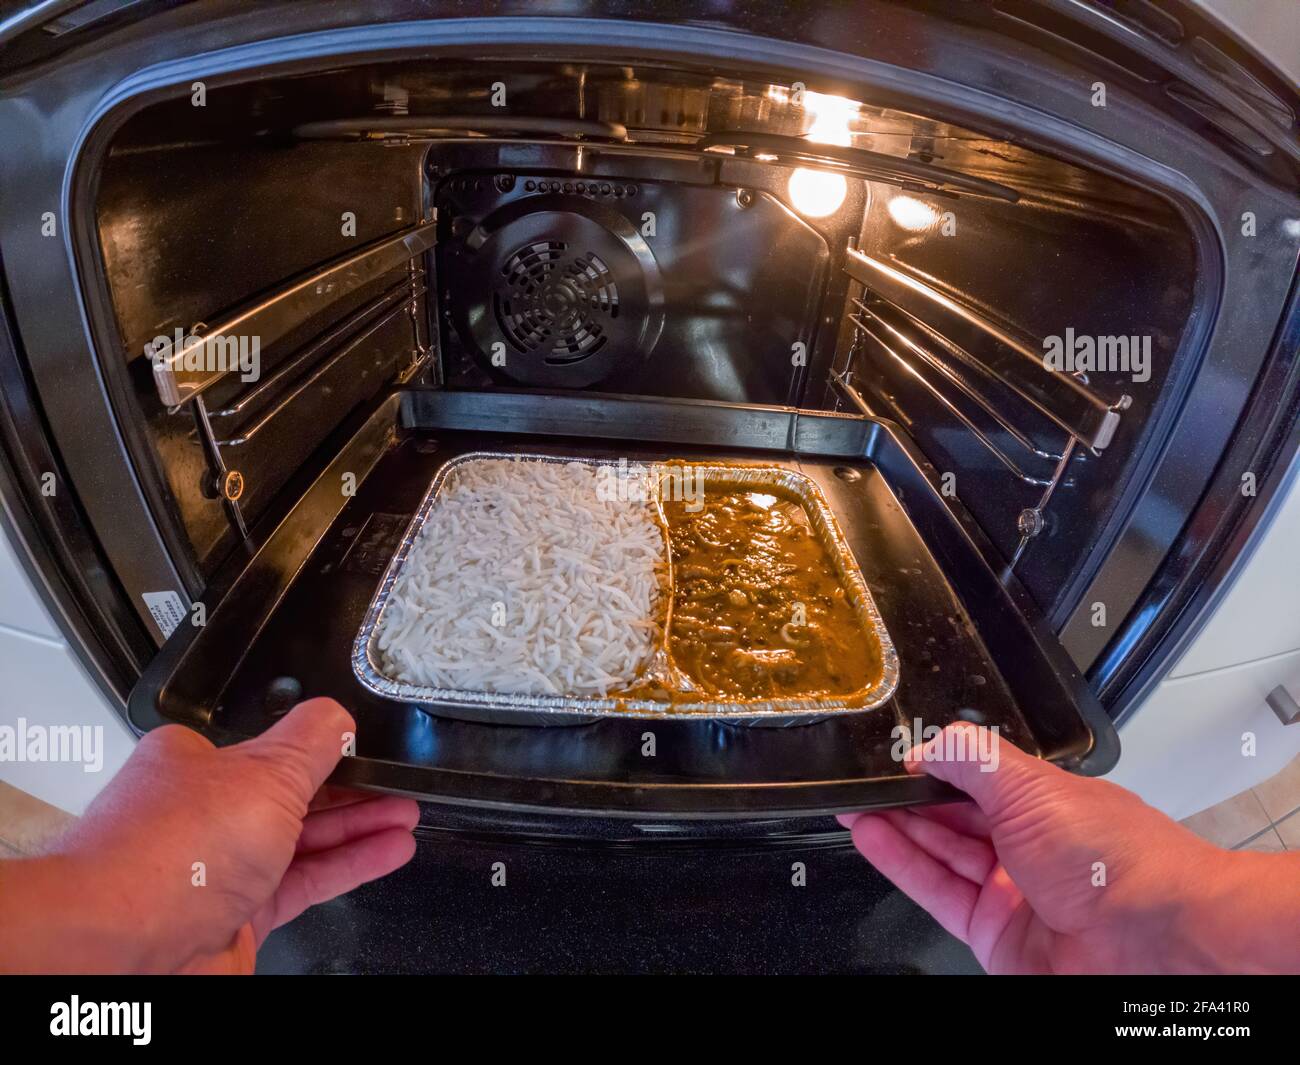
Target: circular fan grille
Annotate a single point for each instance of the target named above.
(555, 302)
(553, 291)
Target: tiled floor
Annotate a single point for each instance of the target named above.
(1265, 818)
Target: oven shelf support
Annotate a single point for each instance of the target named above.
(222, 482)
(286, 310)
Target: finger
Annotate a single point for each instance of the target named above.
(308, 739)
(174, 740)
(949, 898)
(326, 829)
(331, 796)
(963, 817)
(970, 858)
(315, 878)
(978, 761)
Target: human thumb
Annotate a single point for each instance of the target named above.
(309, 741)
(979, 762)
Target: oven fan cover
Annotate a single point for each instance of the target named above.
(556, 291)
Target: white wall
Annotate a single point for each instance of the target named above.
(43, 684)
(1271, 27)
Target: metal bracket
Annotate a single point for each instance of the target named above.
(419, 353)
(224, 484)
(1031, 521)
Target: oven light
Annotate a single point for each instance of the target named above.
(832, 118)
(817, 193)
(911, 214)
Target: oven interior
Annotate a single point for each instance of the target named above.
(606, 260)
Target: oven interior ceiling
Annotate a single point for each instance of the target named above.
(623, 257)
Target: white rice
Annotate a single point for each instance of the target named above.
(524, 580)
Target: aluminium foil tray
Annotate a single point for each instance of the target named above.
(515, 708)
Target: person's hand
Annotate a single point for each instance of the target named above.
(200, 852)
(1050, 872)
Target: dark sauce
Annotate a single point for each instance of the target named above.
(759, 609)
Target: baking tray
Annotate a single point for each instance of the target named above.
(512, 708)
(972, 644)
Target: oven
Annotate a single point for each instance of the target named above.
(1012, 284)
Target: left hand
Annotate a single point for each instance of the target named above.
(271, 840)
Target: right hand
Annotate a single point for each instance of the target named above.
(1045, 871)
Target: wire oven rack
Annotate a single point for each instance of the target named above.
(896, 310)
(275, 317)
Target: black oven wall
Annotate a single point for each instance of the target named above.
(549, 282)
(965, 303)
(193, 227)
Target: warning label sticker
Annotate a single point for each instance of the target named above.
(167, 608)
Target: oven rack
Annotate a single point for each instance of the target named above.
(239, 419)
(895, 314)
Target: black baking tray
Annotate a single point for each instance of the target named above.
(281, 620)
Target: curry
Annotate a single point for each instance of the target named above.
(759, 610)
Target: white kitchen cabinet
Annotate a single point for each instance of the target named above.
(42, 684)
(19, 606)
(1186, 747)
(1260, 615)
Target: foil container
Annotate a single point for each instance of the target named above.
(508, 708)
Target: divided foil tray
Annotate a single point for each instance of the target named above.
(507, 708)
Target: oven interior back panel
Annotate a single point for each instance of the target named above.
(573, 281)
